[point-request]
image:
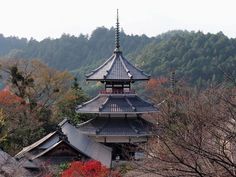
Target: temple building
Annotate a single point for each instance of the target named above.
(118, 110)
(65, 144)
(117, 128)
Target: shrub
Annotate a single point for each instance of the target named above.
(90, 168)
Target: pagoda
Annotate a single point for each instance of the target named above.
(117, 109)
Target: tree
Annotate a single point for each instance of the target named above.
(73, 98)
(195, 135)
(31, 100)
(90, 168)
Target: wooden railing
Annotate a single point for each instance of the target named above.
(117, 92)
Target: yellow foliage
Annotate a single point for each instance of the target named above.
(2, 118)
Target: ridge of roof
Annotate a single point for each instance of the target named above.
(40, 141)
(63, 122)
(95, 70)
(86, 145)
(87, 102)
(133, 127)
(47, 150)
(131, 105)
(127, 70)
(148, 75)
(111, 66)
(34, 145)
(103, 104)
(103, 126)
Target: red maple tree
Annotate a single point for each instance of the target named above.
(7, 98)
(90, 168)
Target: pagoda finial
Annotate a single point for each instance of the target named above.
(117, 32)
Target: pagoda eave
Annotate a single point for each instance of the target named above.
(118, 139)
(118, 80)
(118, 135)
(116, 127)
(123, 113)
(117, 104)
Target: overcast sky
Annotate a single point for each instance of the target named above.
(51, 18)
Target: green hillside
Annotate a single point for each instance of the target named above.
(197, 58)
(11, 44)
(71, 52)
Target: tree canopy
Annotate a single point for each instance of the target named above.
(35, 98)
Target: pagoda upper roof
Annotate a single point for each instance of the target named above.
(116, 104)
(117, 68)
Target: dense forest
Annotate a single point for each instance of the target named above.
(198, 58)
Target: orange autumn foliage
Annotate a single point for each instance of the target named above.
(153, 83)
(8, 99)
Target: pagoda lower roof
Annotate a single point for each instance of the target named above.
(116, 126)
(116, 104)
(117, 68)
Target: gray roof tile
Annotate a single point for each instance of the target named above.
(117, 68)
(101, 126)
(77, 140)
(34, 145)
(87, 145)
(116, 103)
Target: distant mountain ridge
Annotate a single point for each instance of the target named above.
(8, 44)
(197, 57)
(71, 52)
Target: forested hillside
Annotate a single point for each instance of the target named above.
(71, 52)
(12, 44)
(197, 58)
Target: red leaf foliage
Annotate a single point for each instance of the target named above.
(90, 168)
(7, 98)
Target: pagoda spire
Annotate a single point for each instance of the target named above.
(117, 35)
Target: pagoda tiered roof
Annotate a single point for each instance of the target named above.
(117, 68)
(118, 107)
(116, 126)
(116, 104)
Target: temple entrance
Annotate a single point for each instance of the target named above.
(123, 151)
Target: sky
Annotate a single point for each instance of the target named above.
(51, 18)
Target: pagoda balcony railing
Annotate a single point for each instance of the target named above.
(117, 92)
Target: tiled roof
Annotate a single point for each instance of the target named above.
(117, 68)
(87, 145)
(116, 103)
(118, 126)
(82, 143)
(34, 145)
